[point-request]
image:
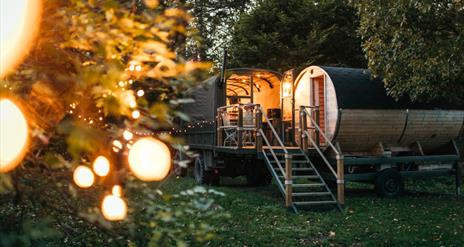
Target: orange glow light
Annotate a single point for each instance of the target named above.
(150, 159)
(19, 24)
(114, 208)
(83, 177)
(13, 135)
(101, 166)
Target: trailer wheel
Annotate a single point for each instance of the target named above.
(389, 183)
(201, 175)
(199, 170)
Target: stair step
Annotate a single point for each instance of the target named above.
(307, 185)
(303, 176)
(293, 162)
(297, 169)
(312, 194)
(314, 203)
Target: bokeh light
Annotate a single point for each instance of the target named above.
(116, 190)
(83, 177)
(135, 114)
(19, 24)
(150, 159)
(13, 135)
(127, 135)
(114, 208)
(101, 166)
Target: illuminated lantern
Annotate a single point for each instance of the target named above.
(101, 166)
(150, 159)
(114, 208)
(83, 177)
(19, 24)
(13, 135)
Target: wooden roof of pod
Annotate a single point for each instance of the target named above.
(238, 80)
(357, 89)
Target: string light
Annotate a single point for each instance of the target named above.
(150, 159)
(116, 190)
(83, 177)
(127, 135)
(114, 208)
(14, 134)
(101, 166)
(135, 114)
(140, 93)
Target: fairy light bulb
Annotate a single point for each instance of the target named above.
(14, 135)
(101, 166)
(116, 191)
(150, 159)
(135, 114)
(127, 135)
(140, 93)
(19, 24)
(114, 208)
(83, 177)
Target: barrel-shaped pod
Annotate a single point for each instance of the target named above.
(359, 114)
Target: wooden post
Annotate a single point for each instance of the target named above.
(300, 127)
(218, 128)
(458, 178)
(288, 180)
(340, 180)
(259, 126)
(304, 126)
(317, 119)
(240, 127)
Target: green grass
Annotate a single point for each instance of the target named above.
(423, 217)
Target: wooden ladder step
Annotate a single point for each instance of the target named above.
(307, 185)
(314, 203)
(298, 169)
(312, 194)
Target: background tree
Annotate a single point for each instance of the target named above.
(284, 34)
(416, 46)
(213, 22)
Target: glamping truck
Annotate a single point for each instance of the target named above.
(314, 131)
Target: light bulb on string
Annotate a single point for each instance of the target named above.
(83, 177)
(114, 208)
(116, 190)
(101, 166)
(127, 135)
(14, 135)
(150, 159)
(135, 114)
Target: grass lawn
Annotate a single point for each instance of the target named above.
(258, 217)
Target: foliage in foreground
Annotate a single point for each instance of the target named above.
(94, 65)
(416, 46)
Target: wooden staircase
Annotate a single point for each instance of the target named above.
(308, 188)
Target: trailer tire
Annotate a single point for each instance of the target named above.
(199, 171)
(389, 183)
(201, 175)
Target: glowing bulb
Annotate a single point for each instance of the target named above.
(135, 114)
(114, 208)
(127, 135)
(116, 191)
(13, 135)
(101, 166)
(150, 159)
(19, 24)
(138, 68)
(117, 144)
(83, 177)
(132, 103)
(140, 93)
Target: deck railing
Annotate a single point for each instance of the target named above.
(311, 135)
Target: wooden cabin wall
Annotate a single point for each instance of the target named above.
(433, 128)
(362, 130)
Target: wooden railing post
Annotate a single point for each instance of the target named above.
(240, 127)
(300, 127)
(288, 180)
(340, 179)
(218, 128)
(317, 118)
(304, 127)
(259, 125)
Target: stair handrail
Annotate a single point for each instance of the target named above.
(316, 126)
(319, 151)
(281, 144)
(272, 151)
